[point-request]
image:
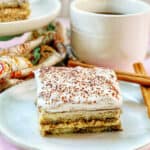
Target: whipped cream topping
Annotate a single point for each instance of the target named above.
(63, 89)
(12, 2)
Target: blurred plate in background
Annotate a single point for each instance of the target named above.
(42, 13)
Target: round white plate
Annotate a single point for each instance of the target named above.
(42, 13)
(19, 122)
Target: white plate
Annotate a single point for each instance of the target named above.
(18, 121)
(42, 13)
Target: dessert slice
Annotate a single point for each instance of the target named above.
(77, 100)
(13, 10)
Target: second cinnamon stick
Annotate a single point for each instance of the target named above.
(139, 68)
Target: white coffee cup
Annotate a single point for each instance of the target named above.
(115, 41)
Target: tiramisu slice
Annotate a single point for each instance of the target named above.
(13, 10)
(77, 100)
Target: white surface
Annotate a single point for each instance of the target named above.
(42, 13)
(98, 39)
(18, 121)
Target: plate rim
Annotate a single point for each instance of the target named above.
(22, 144)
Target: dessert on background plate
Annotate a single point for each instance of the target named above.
(42, 12)
(77, 100)
(14, 10)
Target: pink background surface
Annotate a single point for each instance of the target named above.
(7, 145)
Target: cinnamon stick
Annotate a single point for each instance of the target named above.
(135, 78)
(124, 76)
(139, 68)
(74, 63)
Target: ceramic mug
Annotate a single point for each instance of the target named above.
(110, 40)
